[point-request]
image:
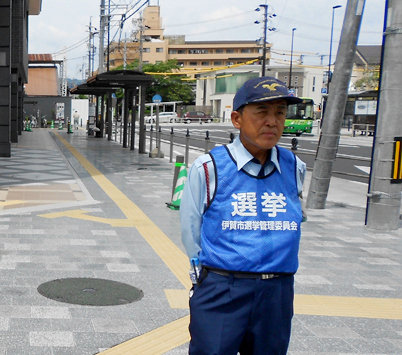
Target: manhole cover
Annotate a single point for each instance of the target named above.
(90, 292)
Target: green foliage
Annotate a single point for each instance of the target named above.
(170, 87)
(370, 81)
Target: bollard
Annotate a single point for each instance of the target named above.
(52, 125)
(171, 145)
(150, 138)
(178, 191)
(232, 137)
(295, 142)
(179, 163)
(187, 147)
(159, 142)
(206, 142)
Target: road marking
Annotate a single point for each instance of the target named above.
(174, 334)
(365, 169)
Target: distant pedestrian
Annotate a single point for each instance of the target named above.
(76, 118)
(241, 221)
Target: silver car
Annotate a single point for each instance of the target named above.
(164, 117)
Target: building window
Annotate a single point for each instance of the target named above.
(246, 50)
(219, 62)
(180, 64)
(159, 50)
(313, 88)
(286, 78)
(296, 82)
(172, 51)
(313, 80)
(181, 51)
(229, 63)
(229, 50)
(204, 63)
(296, 78)
(219, 51)
(145, 62)
(193, 63)
(146, 50)
(158, 61)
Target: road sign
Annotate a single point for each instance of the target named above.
(323, 90)
(156, 99)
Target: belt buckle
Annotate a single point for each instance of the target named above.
(267, 276)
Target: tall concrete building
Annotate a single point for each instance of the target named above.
(191, 55)
(13, 67)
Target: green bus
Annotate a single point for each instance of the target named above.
(300, 117)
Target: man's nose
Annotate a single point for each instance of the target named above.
(270, 119)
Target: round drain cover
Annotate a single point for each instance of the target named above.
(90, 292)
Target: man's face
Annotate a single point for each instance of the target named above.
(261, 125)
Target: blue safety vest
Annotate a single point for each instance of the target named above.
(253, 223)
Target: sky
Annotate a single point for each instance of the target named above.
(62, 26)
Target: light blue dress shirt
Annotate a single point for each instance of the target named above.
(194, 198)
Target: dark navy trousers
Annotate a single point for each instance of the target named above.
(251, 316)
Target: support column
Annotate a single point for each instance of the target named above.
(14, 106)
(384, 196)
(109, 106)
(5, 77)
(141, 141)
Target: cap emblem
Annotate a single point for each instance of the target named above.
(271, 87)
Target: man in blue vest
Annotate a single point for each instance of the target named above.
(240, 222)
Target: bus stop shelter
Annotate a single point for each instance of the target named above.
(134, 84)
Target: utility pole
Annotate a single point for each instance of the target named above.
(291, 60)
(141, 41)
(384, 196)
(102, 37)
(89, 47)
(264, 47)
(332, 123)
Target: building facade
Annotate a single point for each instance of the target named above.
(217, 88)
(192, 55)
(13, 67)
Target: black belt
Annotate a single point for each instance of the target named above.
(245, 275)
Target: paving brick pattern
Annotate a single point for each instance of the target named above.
(338, 257)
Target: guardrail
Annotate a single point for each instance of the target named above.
(365, 129)
(171, 137)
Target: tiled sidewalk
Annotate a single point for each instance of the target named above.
(348, 288)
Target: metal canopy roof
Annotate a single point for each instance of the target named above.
(120, 79)
(84, 89)
(111, 81)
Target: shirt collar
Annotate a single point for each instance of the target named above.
(243, 156)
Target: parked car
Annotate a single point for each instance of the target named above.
(196, 116)
(164, 117)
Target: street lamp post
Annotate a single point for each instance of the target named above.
(330, 46)
(291, 60)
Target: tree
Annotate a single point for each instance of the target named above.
(370, 80)
(170, 87)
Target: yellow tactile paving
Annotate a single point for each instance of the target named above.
(177, 298)
(172, 335)
(158, 341)
(359, 307)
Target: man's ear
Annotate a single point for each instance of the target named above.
(236, 119)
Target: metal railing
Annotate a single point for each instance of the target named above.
(175, 139)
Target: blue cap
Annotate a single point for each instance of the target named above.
(262, 89)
